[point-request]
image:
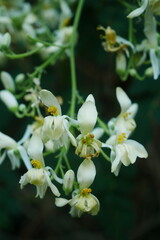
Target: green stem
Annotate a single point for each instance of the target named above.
(72, 58)
(40, 68)
(105, 156)
(103, 125)
(22, 55)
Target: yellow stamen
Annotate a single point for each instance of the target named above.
(126, 115)
(110, 35)
(121, 137)
(39, 120)
(86, 191)
(53, 110)
(91, 135)
(36, 164)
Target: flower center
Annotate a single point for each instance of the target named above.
(121, 137)
(53, 110)
(36, 164)
(86, 191)
(88, 139)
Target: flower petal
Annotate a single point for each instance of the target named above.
(35, 148)
(60, 202)
(7, 142)
(53, 188)
(135, 150)
(123, 99)
(48, 99)
(86, 173)
(87, 117)
(155, 63)
(140, 10)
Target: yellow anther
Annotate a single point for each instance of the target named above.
(126, 115)
(36, 164)
(39, 120)
(110, 35)
(86, 191)
(121, 137)
(66, 22)
(53, 110)
(84, 140)
(91, 135)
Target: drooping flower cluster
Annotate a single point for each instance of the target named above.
(55, 132)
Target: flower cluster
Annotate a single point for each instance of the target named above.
(55, 133)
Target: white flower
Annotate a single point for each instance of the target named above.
(124, 151)
(39, 175)
(87, 117)
(55, 127)
(124, 122)
(14, 150)
(82, 199)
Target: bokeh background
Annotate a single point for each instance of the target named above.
(130, 203)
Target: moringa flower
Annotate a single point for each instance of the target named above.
(125, 121)
(14, 150)
(124, 151)
(55, 127)
(39, 175)
(87, 144)
(82, 199)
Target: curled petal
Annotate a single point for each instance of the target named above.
(48, 99)
(135, 150)
(6, 141)
(139, 10)
(155, 63)
(53, 188)
(123, 99)
(86, 173)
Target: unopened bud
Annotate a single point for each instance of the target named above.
(5, 40)
(20, 78)
(149, 72)
(9, 100)
(120, 63)
(7, 81)
(68, 181)
(133, 72)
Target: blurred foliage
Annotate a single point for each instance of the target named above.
(130, 203)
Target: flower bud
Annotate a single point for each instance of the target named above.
(7, 81)
(68, 181)
(120, 63)
(149, 72)
(22, 107)
(20, 78)
(9, 100)
(5, 40)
